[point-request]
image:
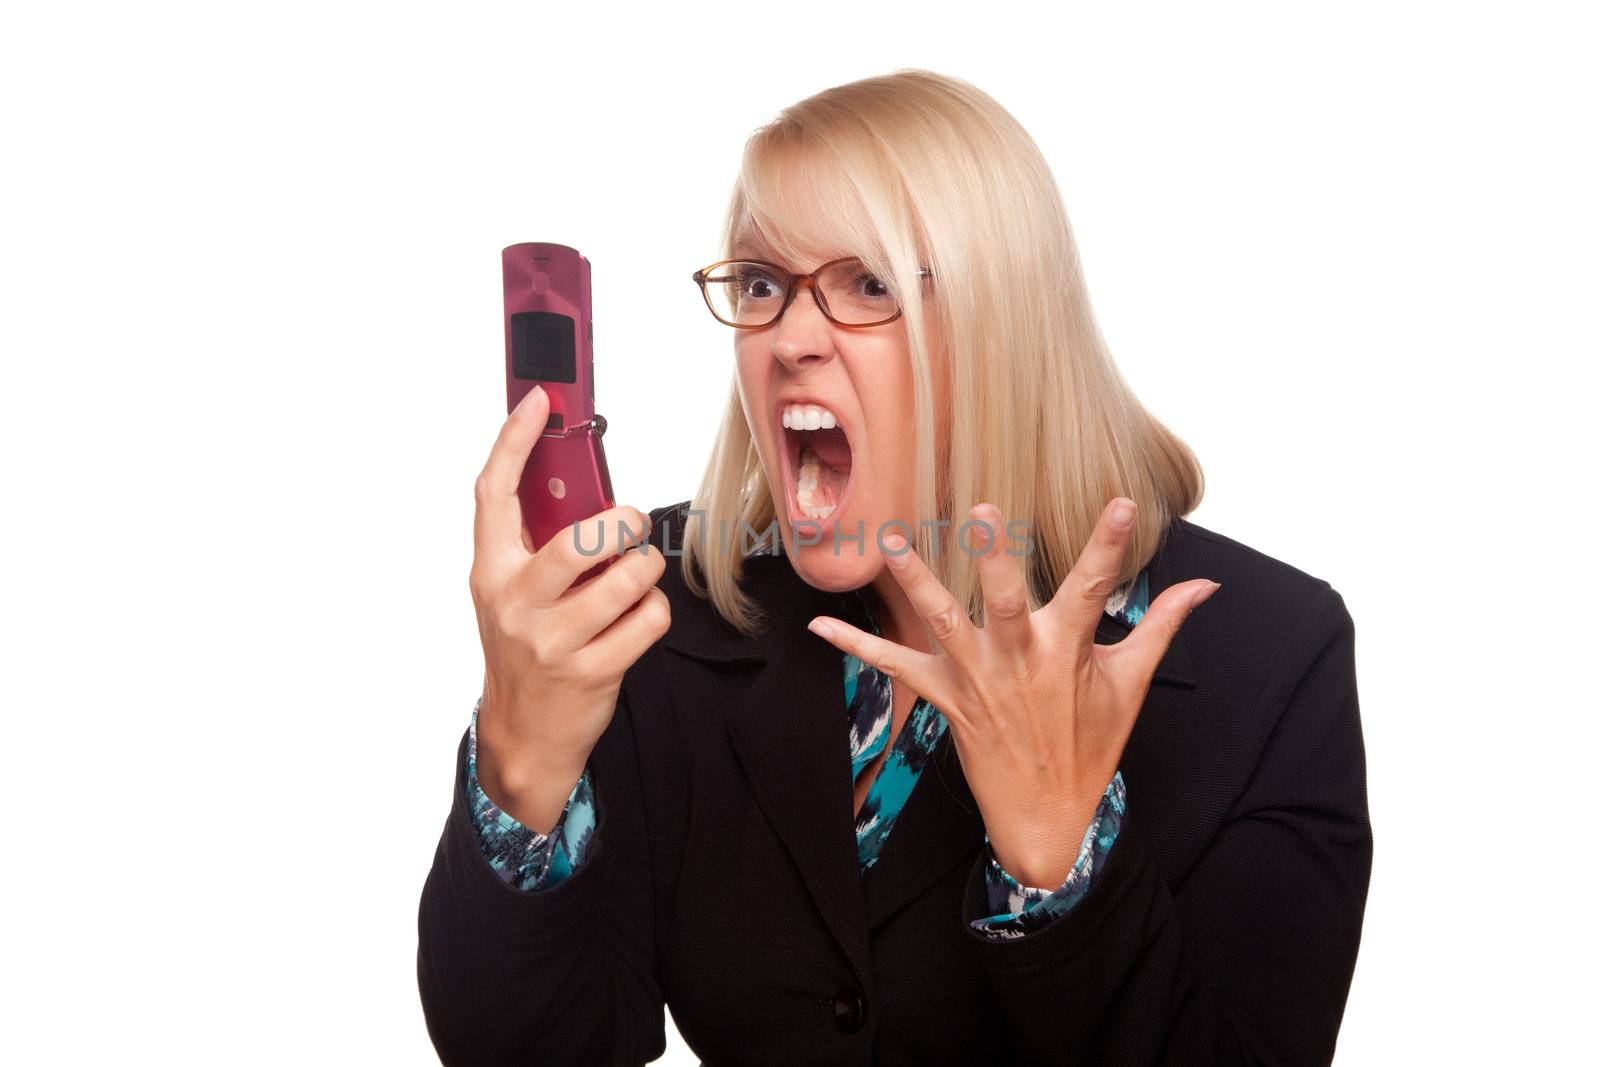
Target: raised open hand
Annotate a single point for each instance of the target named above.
(1038, 712)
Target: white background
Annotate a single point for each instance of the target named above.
(253, 347)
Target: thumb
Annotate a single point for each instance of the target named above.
(1150, 639)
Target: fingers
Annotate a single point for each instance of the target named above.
(1140, 652)
(583, 544)
(635, 630)
(944, 617)
(1006, 616)
(1081, 600)
(497, 522)
(618, 589)
(915, 668)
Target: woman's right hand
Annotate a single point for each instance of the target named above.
(554, 654)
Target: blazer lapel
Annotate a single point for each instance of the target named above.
(790, 734)
(939, 826)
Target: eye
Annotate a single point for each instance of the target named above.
(872, 287)
(754, 283)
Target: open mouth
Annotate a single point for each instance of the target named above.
(817, 461)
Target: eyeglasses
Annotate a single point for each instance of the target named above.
(748, 294)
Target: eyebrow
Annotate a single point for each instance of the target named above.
(749, 249)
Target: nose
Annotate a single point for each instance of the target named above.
(803, 335)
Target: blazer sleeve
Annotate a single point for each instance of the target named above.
(1249, 958)
(567, 974)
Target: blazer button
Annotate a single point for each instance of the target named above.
(849, 1010)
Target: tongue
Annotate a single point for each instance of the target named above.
(820, 486)
(832, 449)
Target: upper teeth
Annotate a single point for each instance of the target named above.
(808, 417)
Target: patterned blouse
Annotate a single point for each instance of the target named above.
(531, 861)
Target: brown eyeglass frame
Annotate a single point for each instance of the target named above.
(795, 282)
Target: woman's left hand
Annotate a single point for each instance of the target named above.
(1038, 712)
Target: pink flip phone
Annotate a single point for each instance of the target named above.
(550, 340)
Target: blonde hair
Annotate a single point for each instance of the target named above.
(915, 169)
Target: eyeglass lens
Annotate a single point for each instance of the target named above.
(751, 294)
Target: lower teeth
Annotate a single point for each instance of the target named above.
(810, 475)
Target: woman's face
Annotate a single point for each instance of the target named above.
(838, 488)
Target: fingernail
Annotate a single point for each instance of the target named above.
(527, 398)
(1205, 591)
(1122, 515)
(894, 544)
(820, 628)
(983, 530)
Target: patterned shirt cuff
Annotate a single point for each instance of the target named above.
(524, 858)
(1020, 910)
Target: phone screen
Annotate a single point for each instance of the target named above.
(544, 347)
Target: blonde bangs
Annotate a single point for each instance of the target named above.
(794, 198)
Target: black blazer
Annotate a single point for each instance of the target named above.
(723, 879)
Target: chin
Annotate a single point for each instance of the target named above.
(820, 568)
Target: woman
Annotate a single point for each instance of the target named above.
(1088, 826)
